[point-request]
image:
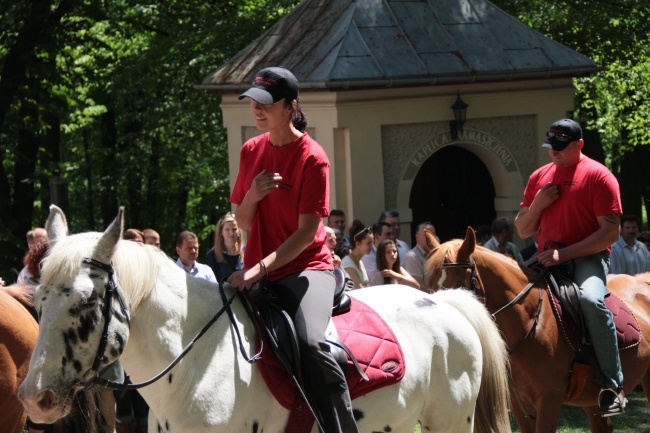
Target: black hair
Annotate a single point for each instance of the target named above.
(377, 228)
(386, 214)
(298, 117)
(629, 219)
(355, 229)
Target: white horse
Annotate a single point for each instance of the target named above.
(456, 362)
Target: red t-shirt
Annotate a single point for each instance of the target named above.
(587, 190)
(304, 189)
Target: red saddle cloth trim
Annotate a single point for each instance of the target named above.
(373, 344)
(627, 327)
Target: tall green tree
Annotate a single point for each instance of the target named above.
(102, 96)
(614, 104)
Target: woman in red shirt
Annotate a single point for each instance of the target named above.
(282, 194)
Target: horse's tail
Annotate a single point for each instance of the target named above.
(491, 415)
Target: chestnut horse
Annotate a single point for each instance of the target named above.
(541, 360)
(18, 335)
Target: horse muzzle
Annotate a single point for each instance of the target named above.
(43, 406)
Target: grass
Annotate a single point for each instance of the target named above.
(573, 419)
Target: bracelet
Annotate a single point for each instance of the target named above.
(266, 271)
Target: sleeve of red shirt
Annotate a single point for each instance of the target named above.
(242, 184)
(316, 188)
(607, 197)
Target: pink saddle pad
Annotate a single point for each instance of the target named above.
(373, 344)
(627, 327)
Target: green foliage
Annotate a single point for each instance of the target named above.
(614, 33)
(108, 97)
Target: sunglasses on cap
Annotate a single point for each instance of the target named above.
(559, 137)
(362, 233)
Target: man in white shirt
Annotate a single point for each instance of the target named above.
(34, 237)
(628, 255)
(380, 232)
(416, 258)
(187, 248)
(336, 220)
(392, 218)
(501, 242)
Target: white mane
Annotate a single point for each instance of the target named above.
(136, 265)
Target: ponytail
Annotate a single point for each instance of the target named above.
(299, 119)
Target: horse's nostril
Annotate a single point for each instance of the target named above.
(47, 400)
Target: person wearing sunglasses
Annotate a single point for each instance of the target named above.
(575, 202)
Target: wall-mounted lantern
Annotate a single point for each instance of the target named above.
(460, 115)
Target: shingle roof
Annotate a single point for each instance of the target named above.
(373, 43)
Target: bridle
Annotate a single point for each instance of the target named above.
(112, 290)
(476, 285)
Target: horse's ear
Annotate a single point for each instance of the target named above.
(106, 245)
(432, 241)
(468, 246)
(56, 225)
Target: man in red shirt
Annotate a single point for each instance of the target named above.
(574, 206)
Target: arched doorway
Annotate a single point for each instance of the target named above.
(453, 189)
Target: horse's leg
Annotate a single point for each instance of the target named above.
(645, 383)
(598, 423)
(524, 421)
(548, 411)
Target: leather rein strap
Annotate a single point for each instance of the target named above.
(111, 290)
(471, 265)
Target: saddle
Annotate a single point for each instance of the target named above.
(280, 357)
(564, 296)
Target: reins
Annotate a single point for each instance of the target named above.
(471, 265)
(111, 290)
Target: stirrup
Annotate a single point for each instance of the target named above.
(611, 402)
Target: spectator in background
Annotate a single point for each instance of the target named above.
(361, 238)
(132, 412)
(187, 248)
(501, 241)
(226, 256)
(531, 250)
(151, 237)
(416, 257)
(392, 218)
(133, 235)
(336, 220)
(380, 232)
(483, 234)
(389, 270)
(331, 244)
(629, 256)
(644, 237)
(34, 237)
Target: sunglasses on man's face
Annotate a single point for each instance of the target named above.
(559, 137)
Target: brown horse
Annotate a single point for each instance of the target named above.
(18, 334)
(542, 361)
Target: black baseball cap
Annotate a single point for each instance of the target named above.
(561, 134)
(271, 85)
